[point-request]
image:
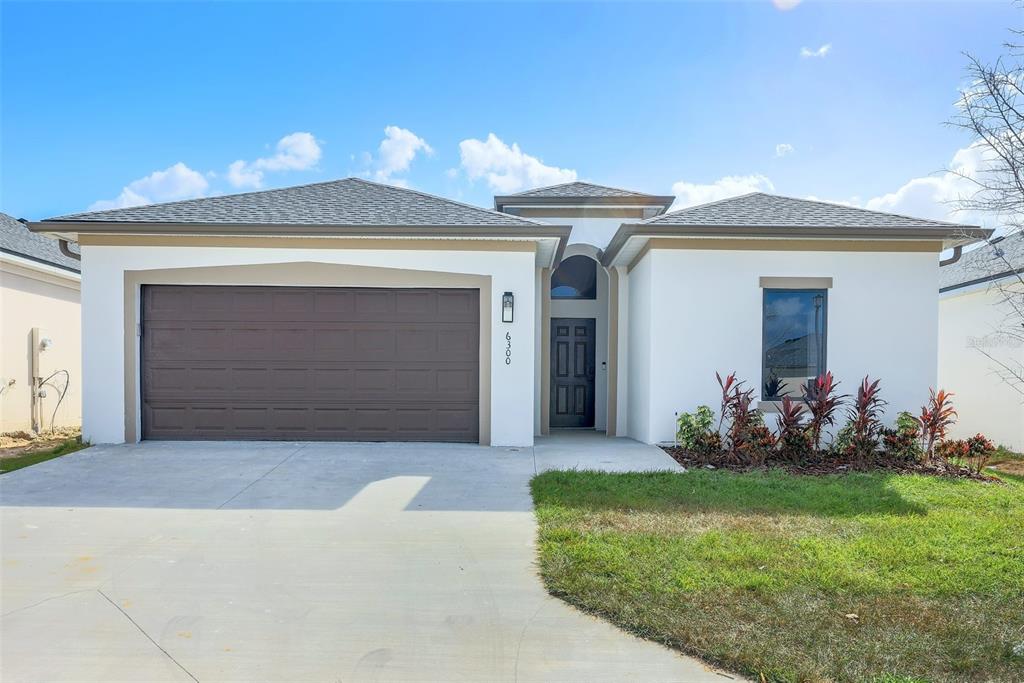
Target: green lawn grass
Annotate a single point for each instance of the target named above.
(759, 572)
(19, 461)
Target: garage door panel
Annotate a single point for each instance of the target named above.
(374, 343)
(322, 384)
(459, 305)
(416, 305)
(310, 363)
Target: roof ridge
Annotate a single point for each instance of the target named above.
(178, 202)
(532, 190)
(88, 215)
(858, 208)
(543, 187)
(816, 202)
(446, 199)
(655, 219)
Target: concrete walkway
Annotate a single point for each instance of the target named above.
(301, 562)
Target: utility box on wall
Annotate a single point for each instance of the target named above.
(42, 355)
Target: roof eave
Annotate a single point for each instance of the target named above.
(954, 235)
(290, 229)
(502, 201)
(527, 231)
(1014, 272)
(41, 261)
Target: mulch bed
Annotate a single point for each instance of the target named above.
(826, 465)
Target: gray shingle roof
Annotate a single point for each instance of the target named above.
(346, 202)
(580, 189)
(759, 209)
(1002, 256)
(16, 239)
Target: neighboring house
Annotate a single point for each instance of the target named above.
(980, 336)
(41, 332)
(355, 310)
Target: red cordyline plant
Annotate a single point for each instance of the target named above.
(822, 403)
(794, 440)
(866, 418)
(729, 386)
(935, 419)
(737, 408)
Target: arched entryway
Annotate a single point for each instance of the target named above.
(575, 356)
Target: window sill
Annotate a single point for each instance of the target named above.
(770, 407)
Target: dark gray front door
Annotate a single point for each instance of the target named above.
(572, 372)
(332, 363)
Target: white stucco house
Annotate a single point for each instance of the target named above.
(355, 310)
(980, 347)
(40, 344)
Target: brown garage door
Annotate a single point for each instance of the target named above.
(310, 363)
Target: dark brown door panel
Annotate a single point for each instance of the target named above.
(310, 363)
(572, 372)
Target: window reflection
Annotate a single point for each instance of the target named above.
(575, 278)
(794, 334)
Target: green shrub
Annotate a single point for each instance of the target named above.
(903, 442)
(842, 442)
(690, 427)
(906, 422)
(696, 432)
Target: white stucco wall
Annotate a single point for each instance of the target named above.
(639, 351)
(969, 320)
(538, 367)
(103, 267)
(587, 230)
(622, 366)
(693, 312)
(36, 295)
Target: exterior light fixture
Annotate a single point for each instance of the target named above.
(508, 303)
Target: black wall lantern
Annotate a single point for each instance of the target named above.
(508, 303)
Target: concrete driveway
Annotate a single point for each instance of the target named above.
(300, 562)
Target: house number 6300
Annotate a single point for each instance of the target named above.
(508, 348)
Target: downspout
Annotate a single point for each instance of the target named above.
(66, 250)
(957, 253)
(62, 244)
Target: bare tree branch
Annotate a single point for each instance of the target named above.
(991, 109)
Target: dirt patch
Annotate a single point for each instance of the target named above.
(13, 444)
(1014, 467)
(826, 465)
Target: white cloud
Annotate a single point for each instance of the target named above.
(397, 151)
(173, 183)
(806, 52)
(691, 194)
(508, 169)
(786, 4)
(294, 152)
(241, 174)
(783, 148)
(853, 201)
(934, 196)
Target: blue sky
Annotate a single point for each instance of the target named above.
(110, 104)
